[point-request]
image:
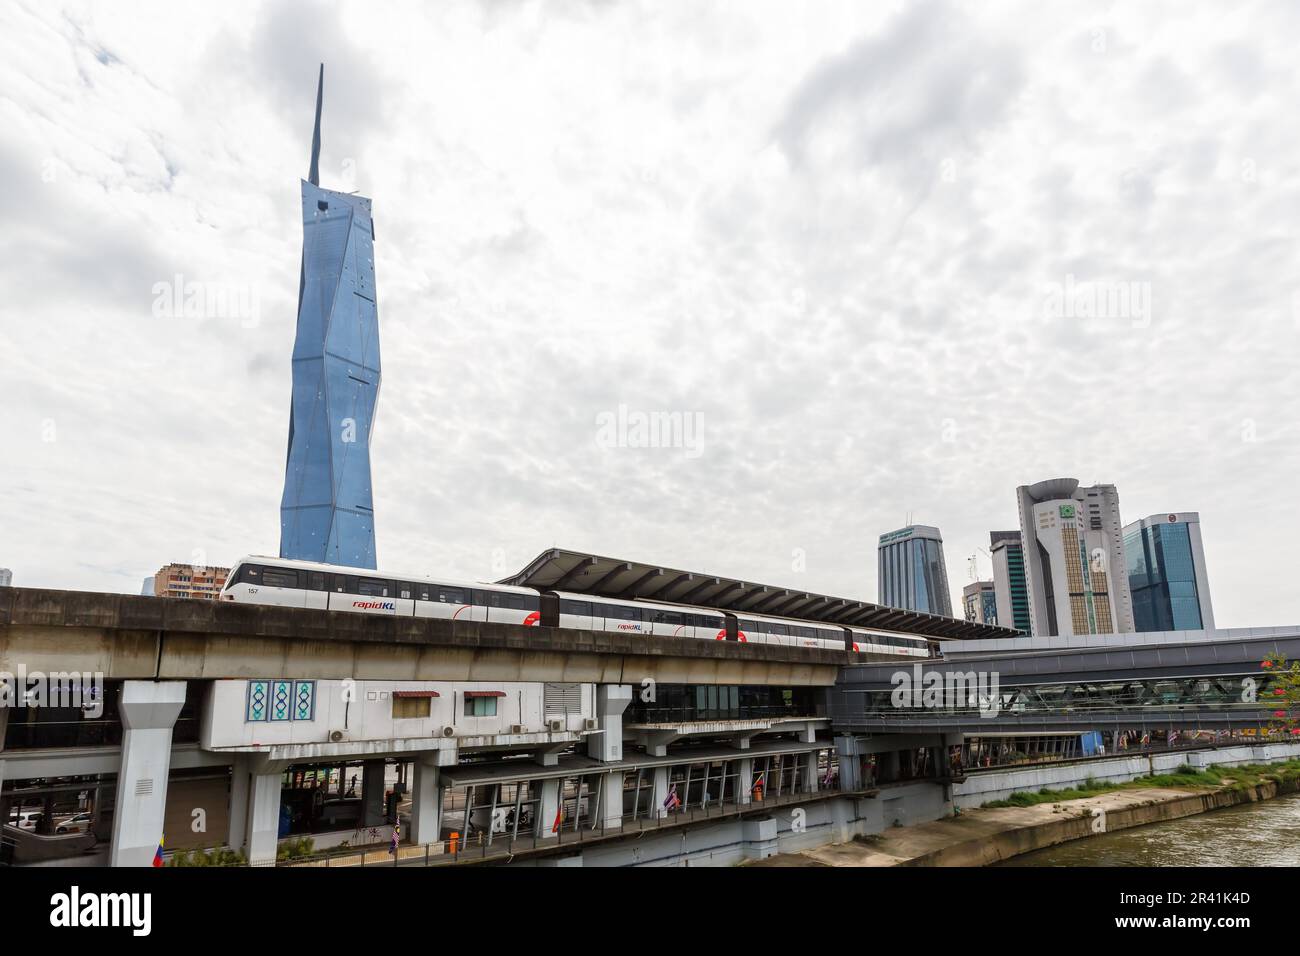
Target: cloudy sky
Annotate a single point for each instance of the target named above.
(883, 261)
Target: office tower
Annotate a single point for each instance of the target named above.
(6, 578)
(1010, 593)
(911, 570)
(1075, 570)
(980, 605)
(327, 510)
(1166, 573)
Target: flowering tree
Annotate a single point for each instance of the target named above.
(1283, 694)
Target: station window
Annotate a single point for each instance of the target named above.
(480, 706)
(413, 707)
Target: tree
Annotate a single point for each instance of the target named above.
(1282, 695)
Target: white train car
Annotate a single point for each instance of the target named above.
(280, 582)
(867, 641)
(761, 629)
(591, 613)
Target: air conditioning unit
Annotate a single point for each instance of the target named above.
(449, 731)
(555, 725)
(516, 728)
(591, 723)
(337, 735)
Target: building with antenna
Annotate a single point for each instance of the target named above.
(911, 573)
(327, 509)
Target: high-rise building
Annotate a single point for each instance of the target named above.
(1166, 573)
(187, 581)
(911, 570)
(1075, 571)
(980, 605)
(6, 578)
(1009, 590)
(327, 511)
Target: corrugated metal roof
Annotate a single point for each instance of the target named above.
(560, 570)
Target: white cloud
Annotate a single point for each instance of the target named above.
(828, 232)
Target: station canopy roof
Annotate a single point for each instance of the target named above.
(560, 570)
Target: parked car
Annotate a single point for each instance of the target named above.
(27, 819)
(77, 823)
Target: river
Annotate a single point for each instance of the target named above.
(1254, 834)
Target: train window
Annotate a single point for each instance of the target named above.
(576, 607)
(452, 595)
(339, 583)
(624, 613)
(779, 629)
(667, 617)
(373, 587)
(251, 574)
(480, 598)
(405, 590)
(279, 578)
(423, 592)
(516, 602)
(316, 581)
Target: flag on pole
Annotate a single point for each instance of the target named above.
(559, 818)
(157, 856)
(672, 801)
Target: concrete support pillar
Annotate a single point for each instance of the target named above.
(745, 780)
(238, 834)
(263, 827)
(660, 792)
(611, 701)
(611, 800)
(426, 801)
(810, 771)
(148, 710)
(548, 807)
(372, 793)
(846, 749)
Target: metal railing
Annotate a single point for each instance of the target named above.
(501, 848)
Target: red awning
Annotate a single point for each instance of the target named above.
(485, 693)
(416, 693)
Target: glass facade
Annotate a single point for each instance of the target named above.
(327, 510)
(912, 574)
(1162, 578)
(1019, 592)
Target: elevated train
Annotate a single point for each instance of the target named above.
(284, 583)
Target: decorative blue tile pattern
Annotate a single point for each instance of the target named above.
(304, 699)
(258, 691)
(281, 692)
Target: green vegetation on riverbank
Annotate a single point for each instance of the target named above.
(1188, 777)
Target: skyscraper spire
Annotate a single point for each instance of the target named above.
(313, 177)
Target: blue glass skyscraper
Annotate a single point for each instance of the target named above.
(1166, 573)
(327, 510)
